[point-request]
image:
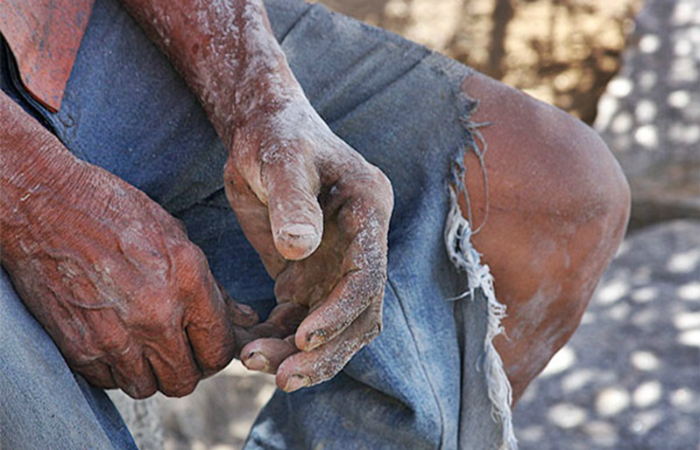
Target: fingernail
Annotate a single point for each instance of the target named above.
(257, 361)
(296, 382)
(299, 234)
(300, 230)
(315, 339)
(245, 309)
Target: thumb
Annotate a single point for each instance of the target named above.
(296, 219)
(240, 314)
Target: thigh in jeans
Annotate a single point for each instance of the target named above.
(396, 103)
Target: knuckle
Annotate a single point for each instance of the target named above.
(115, 343)
(384, 190)
(375, 329)
(189, 256)
(371, 333)
(140, 389)
(181, 387)
(373, 185)
(375, 323)
(192, 268)
(382, 181)
(161, 322)
(215, 361)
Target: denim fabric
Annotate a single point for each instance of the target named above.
(44, 405)
(419, 385)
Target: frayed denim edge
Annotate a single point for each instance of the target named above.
(457, 234)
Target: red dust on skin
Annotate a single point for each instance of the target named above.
(111, 276)
(553, 186)
(282, 158)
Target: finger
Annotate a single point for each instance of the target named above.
(133, 374)
(98, 374)
(363, 282)
(253, 218)
(305, 369)
(265, 355)
(282, 322)
(174, 365)
(296, 219)
(363, 222)
(210, 331)
(265, 348)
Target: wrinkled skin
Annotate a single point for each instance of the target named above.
(287, 192)
(313, 208)
(113, 278)
(131, 302)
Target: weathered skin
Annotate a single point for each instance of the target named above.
(290, 182)
(127, 298)
(558, 209)
(558, 205)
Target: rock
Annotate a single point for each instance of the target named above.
(630, 376)
(650, 114)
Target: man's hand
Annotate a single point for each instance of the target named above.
(318, 214)
(127, 298)
(112, 277)
(313, 208)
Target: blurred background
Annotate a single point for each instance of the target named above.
(630, 377)
(563, 52)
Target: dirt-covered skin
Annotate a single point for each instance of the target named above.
(313, 208)
(131, 303)
(340, 277)
(111, 276)
(128, 299)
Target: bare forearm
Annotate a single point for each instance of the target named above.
(281, 156)
(226, 52)
(44, 188)
(33, 167)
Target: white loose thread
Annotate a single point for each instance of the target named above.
(458, 234)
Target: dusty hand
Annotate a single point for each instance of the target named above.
(127, 298)
(318, 215)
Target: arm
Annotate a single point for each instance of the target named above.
(314, 209)
(111, 276)
(226, 52)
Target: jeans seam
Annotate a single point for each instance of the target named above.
(298, 20)
(392, 286)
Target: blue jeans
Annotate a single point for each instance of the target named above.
(432, 379)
